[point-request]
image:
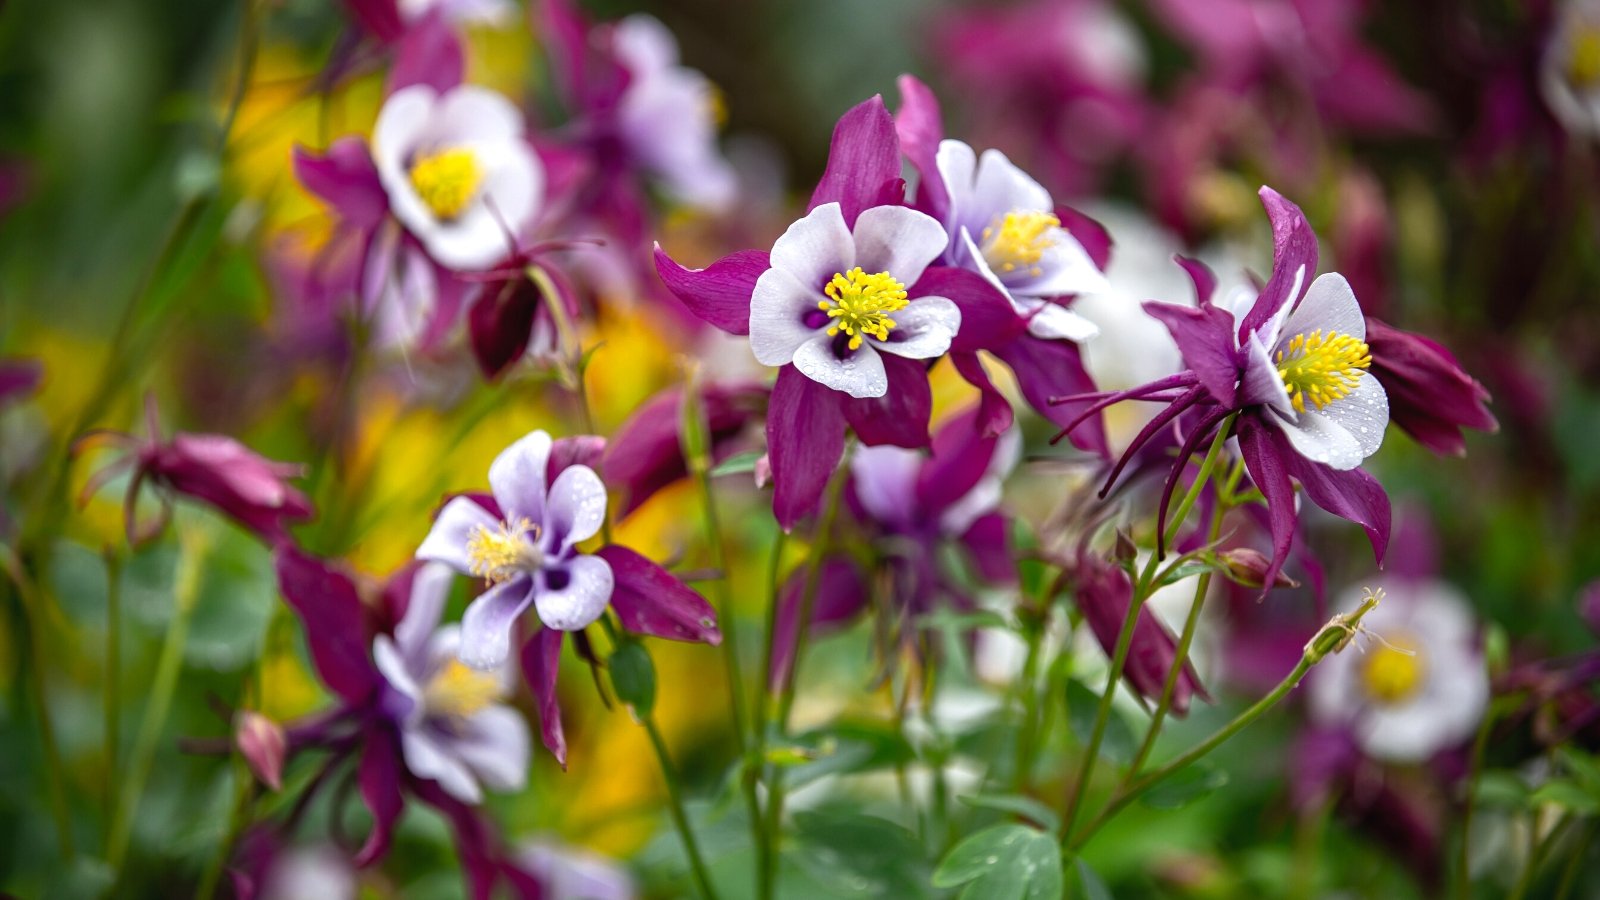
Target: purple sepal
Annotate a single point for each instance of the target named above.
(1294, 259)
(719, 293)
(346, 178)
(805, 440)
(650, 600)
(329, 605)
(1204, 336)
(541, 663)
(863, 162)
(379, 777)
(429, 53)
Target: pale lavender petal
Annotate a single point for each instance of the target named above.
(1320, 439)
(897, 240)
(392, 666)
(427, 756)
(585, 589)
(925, 328)
(1000, 187)
(778, 310)
(576, 507)
(517, 477)
(816, 247)
(495, 745)
(447, 540)
(860, 374)
(885, 481)
(1052, 321)
(487, 624)
(430, 588)
(1065, 268)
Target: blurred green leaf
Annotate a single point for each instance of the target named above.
(1027, 807)
(633, 675)
(1093, 887)
(1006, 862)
(955, 620)
(1186, 786)
(1504, 790)
(1567, 795)
(861, 856)
(737, 464)
(1117, 745)
(1584, 767)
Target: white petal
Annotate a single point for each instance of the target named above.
(486, 231)
(457, 523)
(392, 666)
(487, 624)
(401, 124)
(778, 308)
(430, 588)
(429, 756)
(1363, 413)
(1320, 439)
(576, 507)
(885, 480)
(898, 240)
(495, 746)
(957, 164)
(925, 328)
(517, 477)
(1052, 321)
(1260, 382)
(860, 374)
(1065, 268)
(470, 114)
(1001, 187)
(1329, 306)
(816, 247)
(582, 599)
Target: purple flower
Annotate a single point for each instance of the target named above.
(1103, 594)
(523, 543)
(19, 377)
(1293, 363)
(391, 20)
(453, 728)
(646, 455)
(1430, 397)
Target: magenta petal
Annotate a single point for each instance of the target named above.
(345, 178)
(650, 600)
(380, 18)
(541, 663)
(1294, 246)
(719, 293)
(1088, 231)
(19, 377)
(900, 417)
(477, 846)
(1205, 338)
(1205, 283)
(920, 128)
(987, 318)
(961, 457)
(429, 53)
(577, 450)
(1047, 370)
(1265, 460)
(328, 604)
(1430, 397)
(1352, 495)
(989, 545)
(500, 324)
(994, 412)
(840, 594)
(805, 440)
(379, 775)
(645, 456)
(863, 162)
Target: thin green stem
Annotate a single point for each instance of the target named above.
(712, 527)
(113, 663)
(1569, 872)
(1539, 851)
(675, 806)
(1206, 467)
(242, 788)
(755, 763)
(33, 609)
(1463, 870)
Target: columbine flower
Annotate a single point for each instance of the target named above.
(1419, 687)
(1003, 225)
(453, 727)
(646, 454)
(1430, 396)
(572, 873)
(523, 542)
(1293, 363)
(1569, 72)
(1104, 592)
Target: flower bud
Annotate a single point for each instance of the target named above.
(263, 745)
(1249, 567)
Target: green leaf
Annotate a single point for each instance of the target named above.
(1093, 887)
(1006, 862)
(1082, 703)
(633, 676)
(737, 464)
(1585, 768)
(1187, 570)
(1567, 795)
(963, 621)
(861, 856)
(1505, 790)
(1017, 804)
(1186, 786)
(849, 748)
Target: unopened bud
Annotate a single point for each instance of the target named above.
(763, 471)
(1247, 566)
(263, 745)
(1126, 550)
(1341, 629)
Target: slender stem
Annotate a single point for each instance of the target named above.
(113, 663)
(712, 527)
(1030, 705)
(755, 762)
(1569, 872)
(33, 609)
(1200, 479)
(1539, 851)
(675, 806)
(242, 789)
(168, 667)
(1474, 767)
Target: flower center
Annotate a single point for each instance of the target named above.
(447, 181)
(501, 555)
(860, 304)
(460, 691)
(1321, 368)
(1583, 57)
(1393, 671)
(1018, 241)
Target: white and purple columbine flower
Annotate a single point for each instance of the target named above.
(1569, 71)
(453, 728)
(523, 543)
(836, 296)
(667, 116)
(1420, 685)
(1003, 225)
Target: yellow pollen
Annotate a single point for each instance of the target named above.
(1583, 57)
(1018, 241)
(447, 181)
(459, 690)
(1392, 671)
(499, 556)
(861, 304)
(1321, 368)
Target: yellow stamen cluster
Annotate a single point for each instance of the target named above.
(501, 555)
(447, 181)
(460, 690)
(861, 304)
(1018, 241)
(1321, 368)
(1583, 57)
(1393, 671)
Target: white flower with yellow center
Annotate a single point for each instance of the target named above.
(1003, 226)
(1416, 684)
(458, 171)
(835, 297)
(454, 727)
(1569, 72)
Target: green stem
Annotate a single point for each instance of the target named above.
(1030, 703)
(1474, 767)
(756, 761)
(113, 695)
(165, 683)
(675, 806)
(1569, 872)
(241, 795)
(33, 609)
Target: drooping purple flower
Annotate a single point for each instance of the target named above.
(646, 454)
(1103, 593)
(1431, 397)
(1293, 362)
